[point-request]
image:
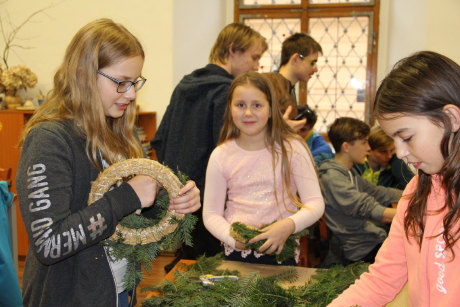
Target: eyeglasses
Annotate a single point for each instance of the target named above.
(313, 64)
(124, 86)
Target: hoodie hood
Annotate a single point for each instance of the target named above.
(202, 80)
(331, 164)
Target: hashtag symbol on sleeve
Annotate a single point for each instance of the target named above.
(97, 226)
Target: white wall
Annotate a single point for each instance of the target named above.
(196, 26)
(177, 35)
(407, 26)
(443, 25)
(402, 31)
(50, 33)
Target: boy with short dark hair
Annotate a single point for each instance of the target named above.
(314, 140)
(297, 49)
(351, 201)
(299, 54)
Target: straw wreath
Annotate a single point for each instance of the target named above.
(114, 175)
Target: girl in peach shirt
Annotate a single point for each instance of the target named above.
(418, 105)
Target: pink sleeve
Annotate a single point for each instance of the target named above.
(306, 180)
(388, 275)
(214, 201)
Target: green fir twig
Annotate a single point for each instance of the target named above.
(251, 290)
(143, 255)
(244, 233)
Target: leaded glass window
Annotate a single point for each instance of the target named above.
(269, 2)
(346, 71)
(338, 88)
(291, 2)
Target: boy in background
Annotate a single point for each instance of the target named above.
(382, 167)
(315, 141)
(190, 127)
(299, 55)
(351, 201)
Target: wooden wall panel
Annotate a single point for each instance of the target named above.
(11, 126)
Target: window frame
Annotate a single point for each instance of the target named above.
(304, 11)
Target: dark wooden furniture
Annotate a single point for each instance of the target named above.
(11, 125)
(5, 175)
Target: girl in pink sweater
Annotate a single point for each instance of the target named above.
(418, 105)
(261, 172)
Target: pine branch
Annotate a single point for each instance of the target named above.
(251, 290)
(244, 233)
(145, 254)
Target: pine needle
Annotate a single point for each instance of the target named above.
(143, 255)
(244, 233)
(251, 290)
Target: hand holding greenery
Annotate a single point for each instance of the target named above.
(243, 233)
(144, 254)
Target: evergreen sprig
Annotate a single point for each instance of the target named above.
(244, 233)
(251, 290)
(326, 285)
(144, 254)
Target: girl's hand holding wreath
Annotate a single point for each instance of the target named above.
(276, 239)
(146, 189)
(276, 235)
(140, 239)
(188, 200)
(240, 245)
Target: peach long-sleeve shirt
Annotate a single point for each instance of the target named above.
(431, 274)
(240, 188)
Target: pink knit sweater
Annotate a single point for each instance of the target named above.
(431, 273)
(240, 188)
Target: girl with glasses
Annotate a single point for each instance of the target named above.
(85, 125)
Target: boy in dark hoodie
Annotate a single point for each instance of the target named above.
(351, 201)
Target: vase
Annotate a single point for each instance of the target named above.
(12, 102)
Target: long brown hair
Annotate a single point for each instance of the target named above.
(75, 96)
(282, 88)
(278, 132)
(421, 85)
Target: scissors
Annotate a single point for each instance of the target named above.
(209, 279)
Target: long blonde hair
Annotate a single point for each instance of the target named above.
(278, 132)
(75, 96)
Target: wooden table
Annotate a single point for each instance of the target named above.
(305, 274)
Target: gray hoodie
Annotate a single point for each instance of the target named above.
(351, 201)
(65, 264)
